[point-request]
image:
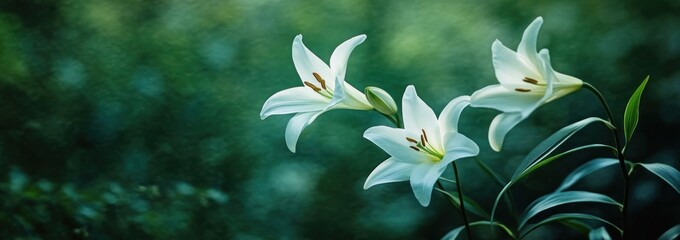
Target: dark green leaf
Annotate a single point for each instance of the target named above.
(671, 234)
(599, 234)
(632, 114)
(560, 198)
(669, 174)
(562, 218)
(470, 205)
(453, 234)
(584, 170)
(551, 143)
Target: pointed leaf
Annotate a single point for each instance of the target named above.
(470, 205)
(667, 173)
(671, 234)
(555, 140)
(585, 170)
(537, 165)
(577, 225)
(632, 114)
(564, 218)
(453, 234)
(556, 199)
(599, 234)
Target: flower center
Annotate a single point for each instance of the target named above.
(323, 90)
(530, 81)
(425, 146)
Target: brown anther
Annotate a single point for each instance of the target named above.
(522, 90)
(415, 148)
(530, 80)
(411, 140)
(320, 80)
(312, 86)
(424, 136)
(422, 139)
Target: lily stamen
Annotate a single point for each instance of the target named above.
(312, 86)
(320, 80)
(424, 135)
(411, 140)
(530, 80)
(522, 90)
(415, 148)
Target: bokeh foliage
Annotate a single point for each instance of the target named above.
(140, 119)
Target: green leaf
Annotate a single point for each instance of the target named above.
(453, 234)
(599, 234)
(538, 164)
(671, 234)
(560, 198)
(584, 170)
(555, 140)
(470, 205)
(562, 218)
(577, 225)
(667, 173)
(632, 114)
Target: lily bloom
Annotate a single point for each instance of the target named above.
(421, 151)
(527, 81)
(324, 88)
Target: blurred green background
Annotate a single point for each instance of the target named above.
(140, 119)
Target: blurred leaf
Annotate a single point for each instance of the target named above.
(669, 174)
(453, 234)
(565, 217)
(599, 234)
(632, 114)
(671, 234)
(584, 170)
(577, 225)
(470, 205)
(555, 199)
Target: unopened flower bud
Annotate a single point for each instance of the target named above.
(381, 100)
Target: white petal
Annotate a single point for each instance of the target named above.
(418, 116)
(389, 171)
(458, 146)
(503, 99)
(448, 119)
(306, 63)
(548, 74)
(527, 47)
(293, 100)
(393, 141)
(564, 84)
(500, 126)
(296, 125)
(347, 97)
(511, 68)
(341, 54)
(423, 178)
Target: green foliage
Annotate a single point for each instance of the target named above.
(599, 234)
(565, 218)
(671, 233)
(632, 114)
(584, 170)
(453, 234)
(667, 173)
(560, 198)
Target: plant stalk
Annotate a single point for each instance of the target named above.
(462, 202)
(619, 154)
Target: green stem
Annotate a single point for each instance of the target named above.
(509, 199)
(462, 202)
(619, 154)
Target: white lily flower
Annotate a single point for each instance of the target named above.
(422, 150)
(324, 88)
(527, 81)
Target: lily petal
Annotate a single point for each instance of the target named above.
(296, 125)
(511, 68)
(341, 54)
(500, 126)
(423, 178)
(393, 141)
(548, 74)
(500, 98)
(418, 116)
(527, 47)
(458, 146)
(306, 64)
(389, 171)
(448, 118)
(348, 97)
(293, 100)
